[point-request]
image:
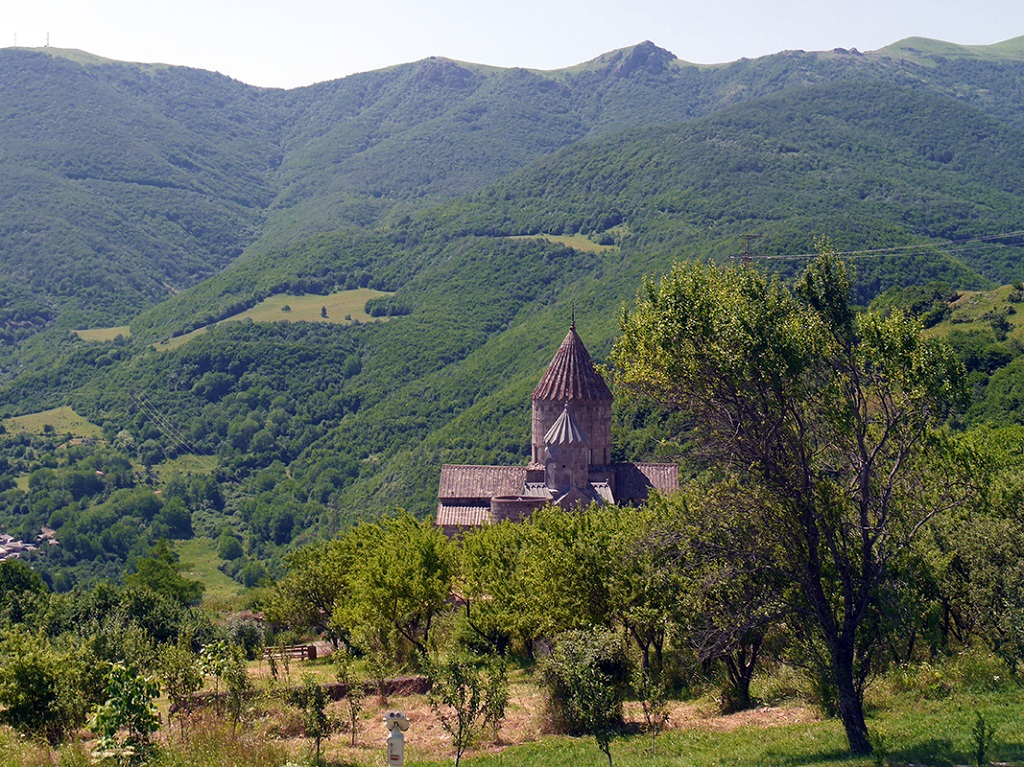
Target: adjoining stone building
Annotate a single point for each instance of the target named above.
(571, 460)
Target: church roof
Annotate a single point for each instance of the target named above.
(634, 481)
(571, 375)
(565, 431)
(458, 481)
(462, 516)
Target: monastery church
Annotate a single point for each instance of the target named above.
(571, 463)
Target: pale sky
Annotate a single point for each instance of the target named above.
(298, 42)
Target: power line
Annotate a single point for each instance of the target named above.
(167, 428)
(918, 249)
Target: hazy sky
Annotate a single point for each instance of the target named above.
(298, 42)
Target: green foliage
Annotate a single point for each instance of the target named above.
(982, 734)
(46, 687)
(832, 420)
(125, 723)
(311, 700)
(586, 678)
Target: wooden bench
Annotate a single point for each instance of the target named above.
(296, 651)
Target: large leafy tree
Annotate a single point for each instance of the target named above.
(831, 417)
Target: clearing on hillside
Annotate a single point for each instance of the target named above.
(341, 308)
(578, 242)
(186, 464)
(103, 334)
(63, 420)
(201, 561)
(982, 309)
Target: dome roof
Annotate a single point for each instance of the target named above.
(565, 431)
(571, 375)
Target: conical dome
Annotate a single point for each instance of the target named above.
(571, 375)
(565, 431)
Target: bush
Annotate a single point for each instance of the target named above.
(586, 679)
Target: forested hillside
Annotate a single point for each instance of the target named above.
(487, 202)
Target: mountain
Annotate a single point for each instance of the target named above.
(124, 183)
(489, 202)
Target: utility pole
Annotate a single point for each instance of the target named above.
(747, 255)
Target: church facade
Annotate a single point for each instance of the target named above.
(571, 456)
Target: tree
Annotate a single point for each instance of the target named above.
(125, 723)
(161, 572)
(401, 579)
(728, 591)
(182, 676)
(457, 699)
(831, 417)
(353, 689)
(45, 690)
(312, 700)
(650, 692)
(586, 677)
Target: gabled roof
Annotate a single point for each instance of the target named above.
(565, 431)
(459, 481)
(462, 516)
(634, 481)
(571, 375)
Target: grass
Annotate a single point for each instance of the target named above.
(578, 242)
(63, 419)
(199, 555)
(342, 308)
(915, 727)
(186, 464)
(104, 334)
(974, 309)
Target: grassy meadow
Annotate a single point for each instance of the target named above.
(186, 464)
(199, 556)
(104, 334)
(578, 242)
(342, 308)
(63, 419)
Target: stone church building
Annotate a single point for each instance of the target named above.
(571, 462)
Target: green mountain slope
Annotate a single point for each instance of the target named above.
(445, 183)
(123, 183)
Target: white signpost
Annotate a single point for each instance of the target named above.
(397, 724)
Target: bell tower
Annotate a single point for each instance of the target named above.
(572, 383)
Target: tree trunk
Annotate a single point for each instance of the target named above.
(851, 703)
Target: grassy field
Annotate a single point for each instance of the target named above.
(104, 334)
(342, 308)
(64, 420)
(578, 242)
(974, 310)
(186, 464)
(199, 556)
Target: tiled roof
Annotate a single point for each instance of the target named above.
(571, 375)
(480, 481)
(565, 431)
(634, 481)
(462, 516)
(604, 491)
